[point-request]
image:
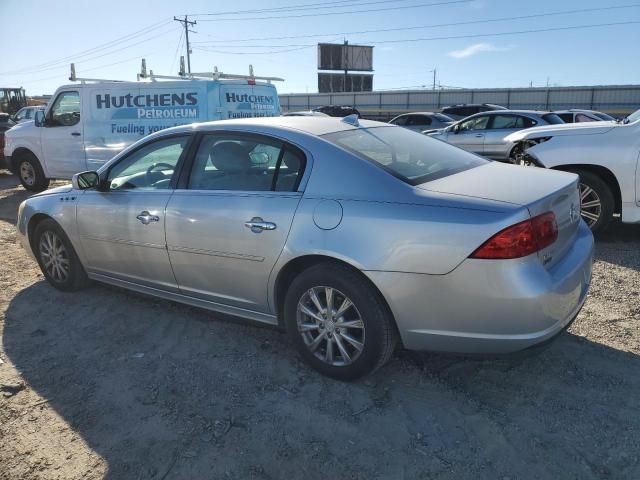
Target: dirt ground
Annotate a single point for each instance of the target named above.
(110, 384)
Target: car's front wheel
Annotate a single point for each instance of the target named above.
(57, 258)
(339, 322)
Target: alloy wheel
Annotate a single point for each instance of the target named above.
(27, 173)
(590, 204)
(330, 325)
(54, 256)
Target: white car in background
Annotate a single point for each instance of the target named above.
(604, 154)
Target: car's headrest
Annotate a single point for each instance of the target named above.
(230, 157)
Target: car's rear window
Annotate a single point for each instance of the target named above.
(552, 118)
(412, 157)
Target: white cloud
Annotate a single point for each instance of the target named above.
(477, 48)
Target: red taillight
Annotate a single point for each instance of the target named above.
(251, 81)
(521, 239)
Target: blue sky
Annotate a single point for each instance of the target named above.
(38, 60)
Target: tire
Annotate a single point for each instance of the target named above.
(594, 189)
(370, 322)
(51, 244)
(30, 172)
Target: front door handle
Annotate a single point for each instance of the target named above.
(75, 134)
(479, 135)
(257, 225)
(146, 218)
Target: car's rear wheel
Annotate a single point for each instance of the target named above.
(596, 201)
(339, 322)
(57, 258)
(31, 173)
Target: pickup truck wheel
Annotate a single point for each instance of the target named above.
(596, 199)
(30, 172)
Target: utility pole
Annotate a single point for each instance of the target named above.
(434, 71)
(346, 64)
(186, 22)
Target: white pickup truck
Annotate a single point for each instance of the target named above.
(86, 124)
(605, 155)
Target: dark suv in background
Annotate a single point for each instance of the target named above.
(458, 112)
(337, 110)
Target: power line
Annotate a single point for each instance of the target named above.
(175, 56)
(452, 37)
(300, 7)
(279, 17)
(89, 51)
(436, 25)
(54, 67)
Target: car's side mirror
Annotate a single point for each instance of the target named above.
(85, 180)
(38, 120)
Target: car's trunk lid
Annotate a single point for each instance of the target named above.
(537, 189)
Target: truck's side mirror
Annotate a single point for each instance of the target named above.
(38, 120)
(85, 180)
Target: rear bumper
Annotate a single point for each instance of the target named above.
(486, 306)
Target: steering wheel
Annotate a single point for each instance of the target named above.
(149, 180)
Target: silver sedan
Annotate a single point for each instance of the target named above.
(349, 234)
(484, 133)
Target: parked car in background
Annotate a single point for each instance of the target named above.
(419, 121)
(305, 113)
(347, 233)
(458, 112)
(605, 155)
(26, 113)
(579, 116)
(484, 133)
(338, 110)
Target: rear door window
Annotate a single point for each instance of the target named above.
(231, 161)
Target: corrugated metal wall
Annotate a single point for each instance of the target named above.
(618, 100)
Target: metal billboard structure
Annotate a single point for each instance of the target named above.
(345, 58)
(338, 82)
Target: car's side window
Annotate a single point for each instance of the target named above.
(505, 122)
(580, 117)
(149, 168)
(476, 123)
(420, 120)
(66, 110)
(401, 121)
(245, 163)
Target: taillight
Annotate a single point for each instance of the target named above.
(521, 239)
(251, 81)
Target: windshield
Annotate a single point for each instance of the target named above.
(633, 117)
(412, 157)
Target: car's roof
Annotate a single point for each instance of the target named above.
(420, 113)
(308, 124)
(506, 112)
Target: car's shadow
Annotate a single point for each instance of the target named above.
(155, 387)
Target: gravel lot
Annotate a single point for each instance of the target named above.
(110, 384)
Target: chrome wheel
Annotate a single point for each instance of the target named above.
(331, 326)
(590, 204)
(27, 173)
(54, 256)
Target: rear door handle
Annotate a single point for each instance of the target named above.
(257, 225)
(75, 134)
(146, 218)
(479, 135)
